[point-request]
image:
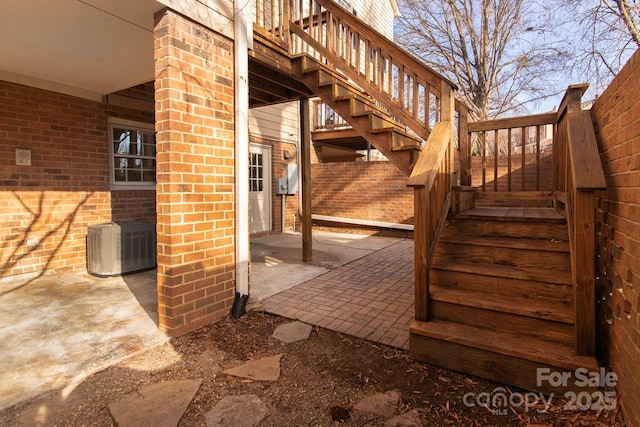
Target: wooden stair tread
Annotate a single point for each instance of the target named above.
(546, 310)
(507, 242)
(508, 271)
(548, 215)
(527, 348)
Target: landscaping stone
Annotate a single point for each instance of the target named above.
(292, 332)
(409, 419)
(160, 405)
(208, 361)
(245, 410)
(383, 404)
(254, 305)
(265, 369)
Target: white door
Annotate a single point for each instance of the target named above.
(259, 188)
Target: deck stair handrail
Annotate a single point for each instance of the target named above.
(578, 175)
(432, 179)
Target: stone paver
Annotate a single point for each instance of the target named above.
(265, 369)
(161, 404)
(383, 404)
(292, 332)
(245, 410)
(370, 298)
(412, 418)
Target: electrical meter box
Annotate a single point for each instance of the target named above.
(291, 169)
(281, 186)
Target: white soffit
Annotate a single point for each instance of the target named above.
(80, 47)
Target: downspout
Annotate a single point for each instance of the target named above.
(243, 41)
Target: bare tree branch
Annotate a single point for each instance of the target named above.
(496, 51)
(607, 33)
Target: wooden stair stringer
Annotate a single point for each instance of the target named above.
(373, 124)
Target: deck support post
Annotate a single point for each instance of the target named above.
(305, 146)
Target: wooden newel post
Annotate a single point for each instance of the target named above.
(421, 252)
(464, 144)
(584, 283)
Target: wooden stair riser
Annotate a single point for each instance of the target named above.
(378, 123)
(487, 364)
(505, 287)
(554, 261)
(400, 142)
(500, 321)
(383, 141)
(514, 229)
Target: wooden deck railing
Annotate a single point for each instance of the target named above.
(271, 19)
(407, 88)
(508, 150)
(325, 118)
(578, 175)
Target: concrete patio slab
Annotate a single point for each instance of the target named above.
(56, 330)
(276, 261)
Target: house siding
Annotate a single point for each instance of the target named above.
(616, 115)
(377, 13)
(46, 208)
(278, 122)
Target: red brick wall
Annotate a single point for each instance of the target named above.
(51, 203)
(616, 114)
(363, 190)
(195, 173)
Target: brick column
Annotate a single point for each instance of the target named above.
(194, 97)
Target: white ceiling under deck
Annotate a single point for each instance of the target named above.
(85, 48)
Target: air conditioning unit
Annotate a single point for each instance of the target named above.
(120, 248)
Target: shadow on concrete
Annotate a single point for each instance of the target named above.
(57, 329)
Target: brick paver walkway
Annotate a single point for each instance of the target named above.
(370, 298)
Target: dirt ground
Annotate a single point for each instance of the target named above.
(321, 380)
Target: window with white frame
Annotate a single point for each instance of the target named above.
(133, 154)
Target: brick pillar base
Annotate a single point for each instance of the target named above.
(195, 173)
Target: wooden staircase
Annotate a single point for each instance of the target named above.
(390, 137)
(501, 298)
(499, 292)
